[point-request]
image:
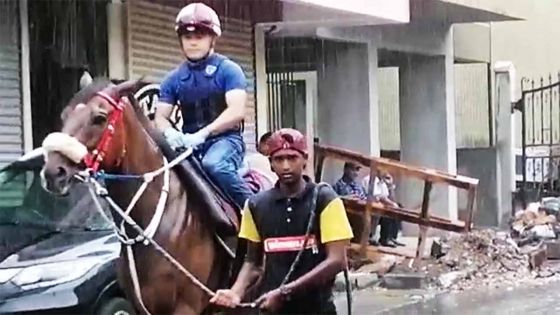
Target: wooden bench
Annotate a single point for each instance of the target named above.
(366, 208)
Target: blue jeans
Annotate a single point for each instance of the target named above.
(221, 158)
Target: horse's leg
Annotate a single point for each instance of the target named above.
(158, 286)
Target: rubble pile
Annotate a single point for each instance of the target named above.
(528, 254)
(481, 258)
(486, 258)
(538, 222)
(499, 259)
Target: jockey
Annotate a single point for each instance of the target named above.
(275, 223)
(210, 90)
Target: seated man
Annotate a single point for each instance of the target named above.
(210, 90)
(384, 192)
(347, 185)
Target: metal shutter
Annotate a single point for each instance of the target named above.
(153, 50)
(11, 132)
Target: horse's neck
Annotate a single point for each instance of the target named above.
(141, 156)
(141, 153)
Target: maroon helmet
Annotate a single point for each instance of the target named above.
(287, 139)
(197, 16)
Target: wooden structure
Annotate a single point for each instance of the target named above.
(423, 217)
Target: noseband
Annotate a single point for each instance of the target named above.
(94, 159)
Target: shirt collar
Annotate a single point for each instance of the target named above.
(350, 183)
(279, 195)
(200, 65)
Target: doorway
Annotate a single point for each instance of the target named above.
(292, 98)
(66, 38)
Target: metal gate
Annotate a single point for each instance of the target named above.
(540, 136)
(281, 93)
(283, 58)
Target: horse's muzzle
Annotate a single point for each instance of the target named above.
(56, 180)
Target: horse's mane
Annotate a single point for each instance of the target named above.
(155, 134)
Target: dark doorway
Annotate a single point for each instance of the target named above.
(67, 37)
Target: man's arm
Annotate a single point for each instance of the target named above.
(251, 269)
(167, 99)
(163, 113)
(386, 201)
(325, 271)
(249, 273)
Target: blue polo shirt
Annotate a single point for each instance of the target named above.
(199, 89)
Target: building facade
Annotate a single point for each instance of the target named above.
(378, 77)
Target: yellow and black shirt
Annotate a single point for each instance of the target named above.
(280, 224)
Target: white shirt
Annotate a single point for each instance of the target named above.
(380, 188)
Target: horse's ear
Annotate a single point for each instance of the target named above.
(128, 87)
(85, 79)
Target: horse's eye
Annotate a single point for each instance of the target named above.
(99, 120)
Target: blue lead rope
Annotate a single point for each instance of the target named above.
(116, 177)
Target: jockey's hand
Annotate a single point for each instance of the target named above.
(174, 137)
(226, 298)
(192, 140)
(271, 301)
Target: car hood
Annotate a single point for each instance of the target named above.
(65, 246)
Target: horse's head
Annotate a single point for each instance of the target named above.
(92, 134)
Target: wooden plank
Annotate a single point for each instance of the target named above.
(358, 206)
(471, 199)
(395, 167)
(407, 215)
(375, 253)
(366, 216)
(369, 207)
(424, 215)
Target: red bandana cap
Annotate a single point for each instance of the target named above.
(287, 139)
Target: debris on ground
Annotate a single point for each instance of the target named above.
(537, 222)
(499, 259)
(383, 266)
(484, 258)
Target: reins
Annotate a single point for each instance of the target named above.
(97, 190)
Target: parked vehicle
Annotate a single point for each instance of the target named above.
(57, 253)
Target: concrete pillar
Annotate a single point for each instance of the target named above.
(348, 101)
(427, 126)
(505, 170)
(117, 39)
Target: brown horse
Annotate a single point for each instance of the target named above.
(181, 232)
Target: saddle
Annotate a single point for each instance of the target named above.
(220, 208)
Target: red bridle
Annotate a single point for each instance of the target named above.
(94, 159)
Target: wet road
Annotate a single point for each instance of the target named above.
(542, 299)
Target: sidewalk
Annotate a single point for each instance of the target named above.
(378, 300)
(369, 297)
